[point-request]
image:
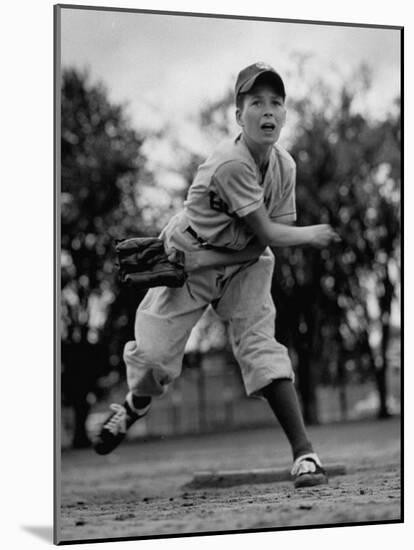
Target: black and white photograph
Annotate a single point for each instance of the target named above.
(228, 242)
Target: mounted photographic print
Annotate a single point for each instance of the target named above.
(228, 274)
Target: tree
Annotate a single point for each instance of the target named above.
(348, 167)
(100, 161)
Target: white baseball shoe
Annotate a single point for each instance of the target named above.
(307, 471)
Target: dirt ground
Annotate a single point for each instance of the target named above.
(140, 489)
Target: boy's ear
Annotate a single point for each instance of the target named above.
(238, 117)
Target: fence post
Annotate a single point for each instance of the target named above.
(176, 403)
(228, 397)
(201, 386)
(342, 380)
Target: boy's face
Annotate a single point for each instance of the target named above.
(263, 115)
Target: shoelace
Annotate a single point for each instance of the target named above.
(117, 423)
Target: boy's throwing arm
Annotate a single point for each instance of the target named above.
(277, 234)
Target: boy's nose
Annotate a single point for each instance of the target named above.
(269, 110)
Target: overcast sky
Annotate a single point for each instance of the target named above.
(164, 66)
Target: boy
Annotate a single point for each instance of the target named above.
(241, 202)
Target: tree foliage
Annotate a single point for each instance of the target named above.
(339, 299)
(100, 162)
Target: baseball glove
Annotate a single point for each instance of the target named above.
(143, 263)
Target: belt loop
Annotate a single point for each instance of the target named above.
(204, 244)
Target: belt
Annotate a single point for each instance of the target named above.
(205, 244)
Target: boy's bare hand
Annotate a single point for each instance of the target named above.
(173, 255)
(321, 235)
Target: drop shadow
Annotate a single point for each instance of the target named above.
(40, 531)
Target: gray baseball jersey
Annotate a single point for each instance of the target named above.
(229, 185)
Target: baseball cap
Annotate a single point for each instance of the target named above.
(247, 77)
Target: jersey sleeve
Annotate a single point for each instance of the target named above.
(237, 186)
(285, 210)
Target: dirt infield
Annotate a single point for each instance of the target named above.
(140, 489)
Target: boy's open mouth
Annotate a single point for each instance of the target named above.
(269, 126)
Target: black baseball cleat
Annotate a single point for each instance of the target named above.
(115, 427)
(307, 471)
